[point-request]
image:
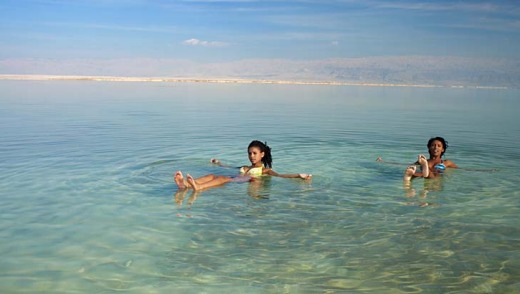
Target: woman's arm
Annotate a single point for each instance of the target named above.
(271, 172)
(219, 163)
(449, 163)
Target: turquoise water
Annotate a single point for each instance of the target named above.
(88, 204)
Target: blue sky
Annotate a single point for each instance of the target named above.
(213, 31)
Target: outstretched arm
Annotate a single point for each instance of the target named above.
(296, 176)
(219, 163)
(380, 159)
(452, 164)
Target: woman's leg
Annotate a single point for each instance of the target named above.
(183, 184)
(409, 173)
(424, 166)
(204, 179)
(216, 181)
(178, 178)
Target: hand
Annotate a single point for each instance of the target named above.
(305, 176)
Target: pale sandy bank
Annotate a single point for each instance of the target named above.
(194, 80)
(215, 80)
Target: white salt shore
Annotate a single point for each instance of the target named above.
(213, 80)
(192, 80)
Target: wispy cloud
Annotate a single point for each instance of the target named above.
(298, 29)
(197, 42)
(483, 7)
(487, 24)
(110, 27)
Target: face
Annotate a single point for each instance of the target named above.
(255, 155)
(436, 148)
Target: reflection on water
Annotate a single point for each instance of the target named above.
(259, 188)
(179, 199)
(419, 197)
(89, 204)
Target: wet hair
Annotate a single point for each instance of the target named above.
(267, 160)
(440, 139)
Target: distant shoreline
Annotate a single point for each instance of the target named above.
(216, 80)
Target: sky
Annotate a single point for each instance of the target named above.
(213, 31)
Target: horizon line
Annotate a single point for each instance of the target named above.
(43, 77)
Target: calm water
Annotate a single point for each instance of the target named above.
(88, 205)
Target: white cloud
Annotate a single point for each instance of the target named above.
(197, 42)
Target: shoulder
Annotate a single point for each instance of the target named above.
(268, 171)
(449, 163)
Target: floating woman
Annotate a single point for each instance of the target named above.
(261, 165)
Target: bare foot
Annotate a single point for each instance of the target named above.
(179, 180)
(424, 165)
(192, 183)
(408, 173)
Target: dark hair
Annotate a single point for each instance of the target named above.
(267, 160)
(440, 139)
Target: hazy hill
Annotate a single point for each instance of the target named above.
(424, 70)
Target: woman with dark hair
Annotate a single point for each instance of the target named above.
(261, 165)
(430, 168)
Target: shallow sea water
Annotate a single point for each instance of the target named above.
(88, 205)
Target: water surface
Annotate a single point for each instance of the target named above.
(88, 203)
